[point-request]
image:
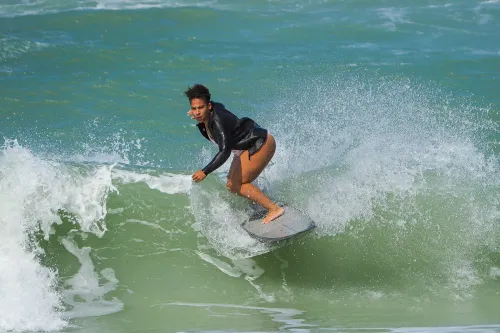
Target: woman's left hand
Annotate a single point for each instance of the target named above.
(198, 176)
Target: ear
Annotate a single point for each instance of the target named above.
(210, 106)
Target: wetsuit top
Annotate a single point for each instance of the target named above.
(231, 133)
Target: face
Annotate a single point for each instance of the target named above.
(201, 109)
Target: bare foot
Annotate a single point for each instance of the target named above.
(273, 214)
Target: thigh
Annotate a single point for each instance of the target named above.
(234, 178)
(252, 168)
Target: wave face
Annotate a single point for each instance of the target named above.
(395, 176)
(386, 120)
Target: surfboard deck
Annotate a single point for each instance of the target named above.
(292, 223)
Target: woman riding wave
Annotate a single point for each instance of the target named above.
(253, 147)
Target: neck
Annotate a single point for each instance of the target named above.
(207, 120)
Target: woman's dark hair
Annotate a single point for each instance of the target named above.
(198, 91)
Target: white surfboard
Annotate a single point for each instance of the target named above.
(288, 225)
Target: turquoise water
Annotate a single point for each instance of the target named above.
(386, 116)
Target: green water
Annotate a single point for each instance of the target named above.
(386, 120)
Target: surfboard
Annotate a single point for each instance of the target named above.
(292, 223)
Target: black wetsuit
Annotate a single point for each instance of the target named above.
(230, 132)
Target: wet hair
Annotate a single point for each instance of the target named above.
(198, 91)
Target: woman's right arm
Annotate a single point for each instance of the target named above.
(223, 139)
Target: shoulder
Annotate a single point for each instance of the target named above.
(218, 106)
(220, 111)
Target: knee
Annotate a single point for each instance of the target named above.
(233, 187)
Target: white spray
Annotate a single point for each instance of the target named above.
(32, 191)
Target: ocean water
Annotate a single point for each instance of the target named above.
(386, 116)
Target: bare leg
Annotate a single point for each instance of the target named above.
(244, 171)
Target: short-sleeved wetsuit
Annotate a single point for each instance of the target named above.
(231, 133)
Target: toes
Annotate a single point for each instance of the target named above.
(271, 216)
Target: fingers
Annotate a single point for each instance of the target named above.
(190, 114)
(196, 178)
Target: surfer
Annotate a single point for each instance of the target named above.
(252, 146)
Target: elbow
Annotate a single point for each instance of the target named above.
(225, 154)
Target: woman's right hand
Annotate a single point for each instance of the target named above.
(198, 176)
(190, 114)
